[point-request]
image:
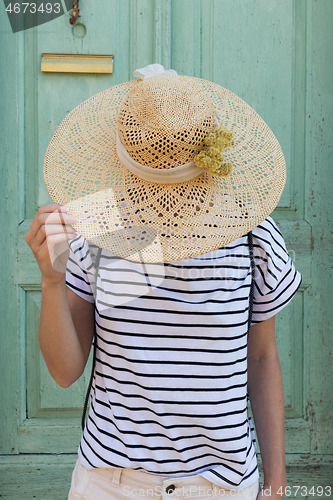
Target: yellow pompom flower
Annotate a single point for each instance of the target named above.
(212, 159)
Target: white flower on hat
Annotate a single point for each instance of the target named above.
(153, 70)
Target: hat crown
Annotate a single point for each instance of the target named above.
(164, 120)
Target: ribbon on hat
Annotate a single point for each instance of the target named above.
(153, 70)
(182, 173)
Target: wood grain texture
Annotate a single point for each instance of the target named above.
(10, 186)
(318, 318)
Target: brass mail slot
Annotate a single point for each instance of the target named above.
(76, 63)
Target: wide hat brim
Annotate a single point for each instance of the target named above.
(144, 221)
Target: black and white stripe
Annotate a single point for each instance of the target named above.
(169, 394)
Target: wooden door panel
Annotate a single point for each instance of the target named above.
(45, 398)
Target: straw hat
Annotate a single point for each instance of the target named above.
(152, 175)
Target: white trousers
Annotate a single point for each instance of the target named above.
(128, 484)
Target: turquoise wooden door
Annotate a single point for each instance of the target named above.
(276, 56)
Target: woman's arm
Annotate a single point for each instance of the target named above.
(66, 325)
(66, 330)
(266, 397)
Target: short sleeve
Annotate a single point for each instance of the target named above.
(276, 279)
(78, 275)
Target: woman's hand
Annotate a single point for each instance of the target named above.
(48, 239)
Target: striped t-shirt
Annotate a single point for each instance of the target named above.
(169, 393)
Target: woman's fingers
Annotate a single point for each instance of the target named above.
(54, 245)
(53, 254)
(51, 208)
(53, 239)
(44, 220)
(48, 238)
(57, 218)
(49, 231)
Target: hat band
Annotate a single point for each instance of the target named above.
(182, 173)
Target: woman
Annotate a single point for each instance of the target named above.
(177, 273)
